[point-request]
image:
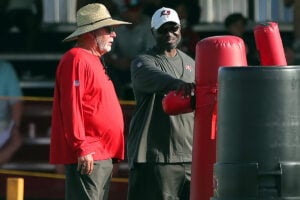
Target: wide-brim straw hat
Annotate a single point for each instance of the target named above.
(92, 17)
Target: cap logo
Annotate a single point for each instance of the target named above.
(165, 12)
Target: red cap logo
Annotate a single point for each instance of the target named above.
(165, 12)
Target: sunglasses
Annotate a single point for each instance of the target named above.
(167, 29)
(109, 29)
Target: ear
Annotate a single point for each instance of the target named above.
(87, 37)
(92, 34)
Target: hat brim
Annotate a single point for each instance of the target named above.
(92, 27)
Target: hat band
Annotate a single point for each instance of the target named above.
(95, 22)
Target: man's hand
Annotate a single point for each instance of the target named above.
(186, 89)
(86, 164)
(11, 146)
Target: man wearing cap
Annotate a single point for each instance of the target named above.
(87, 122)
(159, 145)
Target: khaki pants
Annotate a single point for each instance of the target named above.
(94, 186)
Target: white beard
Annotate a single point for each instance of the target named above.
(103, 47)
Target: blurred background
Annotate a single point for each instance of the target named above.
(31, 35)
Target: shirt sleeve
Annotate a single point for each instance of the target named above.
(72, 87)
(13, 89)
(148, 77)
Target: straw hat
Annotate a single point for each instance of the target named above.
(91, 17)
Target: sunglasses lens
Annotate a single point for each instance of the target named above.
(109, 29)
(167, 29)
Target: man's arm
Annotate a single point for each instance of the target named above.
(148, 78)
(15, 140)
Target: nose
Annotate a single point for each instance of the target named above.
(169, 34)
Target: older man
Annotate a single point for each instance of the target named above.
(87, 122)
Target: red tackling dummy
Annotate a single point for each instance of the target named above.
(269, 44)
(211, 54)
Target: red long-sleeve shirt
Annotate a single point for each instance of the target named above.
(86, 117)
